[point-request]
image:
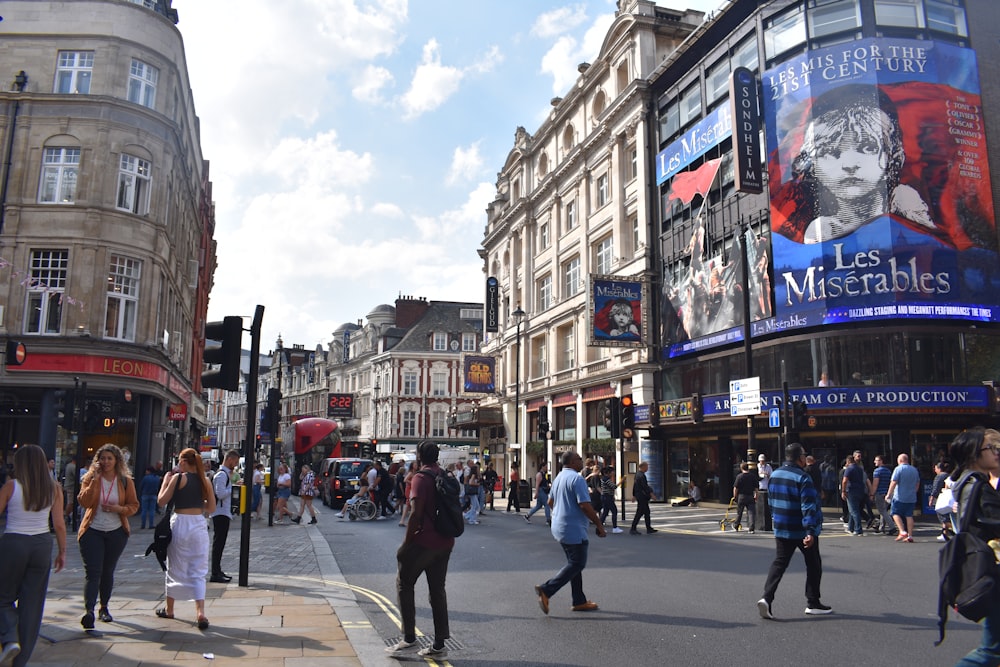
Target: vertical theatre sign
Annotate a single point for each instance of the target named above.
(492, 313)
(745, 110)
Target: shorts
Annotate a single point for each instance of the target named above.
(902, 509)
(284, 492)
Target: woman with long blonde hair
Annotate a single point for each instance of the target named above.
(30, 499)
(108, 497)
(188, 488)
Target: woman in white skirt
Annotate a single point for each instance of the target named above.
(187, 556)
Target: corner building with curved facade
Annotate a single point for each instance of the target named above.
(873, 290)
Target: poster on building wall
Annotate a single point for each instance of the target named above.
(881, 203)
(702, 303)
(617, 311)
(479, 375)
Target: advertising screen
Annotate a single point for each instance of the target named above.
(881, 205)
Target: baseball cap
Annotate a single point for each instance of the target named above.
(762, 457)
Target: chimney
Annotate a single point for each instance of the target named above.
(409, 310)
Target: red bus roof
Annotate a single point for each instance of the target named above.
(311, 431)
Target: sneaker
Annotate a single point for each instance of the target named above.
(10, 651)
(909, 539)
(764, 609)
(650, 531)
(296, 519)
(380, 518)
(617, 530)
(339, 515)
(942, 538)
(543, 599)
(87, 621)
(401, 647)
(313, 521)
(431, 652)
(818, 609)
(751, 531)
(634, 532)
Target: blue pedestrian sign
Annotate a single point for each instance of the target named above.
(774, 417)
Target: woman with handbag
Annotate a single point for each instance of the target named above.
(942, 500)
(29, 499)
(191, 493)
(307, 491)
(975, 453)
(108, 498)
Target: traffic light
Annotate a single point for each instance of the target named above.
(543, 423)
(627, 417)
(272, 412)
(16, 353)
(222, 348)
(697, 410)
(612, 418)
(65, 405)
(654, 414)
(800, 413)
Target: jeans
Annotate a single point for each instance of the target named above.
(542, 501)
(884, 519)
(748, 503)
(854, 524)
(641, 509)
(784, 549)
(608, 505)
(100, 552)
(411, 561)
(572, 572)
(220, 525)
(25, 561)
(988, 652)
(256, 498)
(148, 513)
(473, 513)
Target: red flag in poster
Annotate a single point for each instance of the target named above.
(687, 184)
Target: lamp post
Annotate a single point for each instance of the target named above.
(519, 316)
(375, 390)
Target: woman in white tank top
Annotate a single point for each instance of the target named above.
(26, 551)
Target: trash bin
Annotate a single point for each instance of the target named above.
(524, 494)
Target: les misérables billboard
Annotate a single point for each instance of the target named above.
(881, 205)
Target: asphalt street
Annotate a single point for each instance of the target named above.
(685, 595)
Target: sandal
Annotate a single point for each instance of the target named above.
(203, 623)
(162, 613)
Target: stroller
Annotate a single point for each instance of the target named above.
(728, 522)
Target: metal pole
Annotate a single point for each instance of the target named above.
(517, 402)
(248, 443)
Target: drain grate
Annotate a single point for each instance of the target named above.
(451, 644)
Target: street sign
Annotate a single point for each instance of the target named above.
(744, 397)
(774, 417)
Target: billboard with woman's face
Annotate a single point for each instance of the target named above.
(881, 205)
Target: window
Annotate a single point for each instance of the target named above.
(717, 80)
(571, 275)
(409, 383)
(142, 80)
(827, 17)
(541, 366)
(567, 348)
(784, 32)
(604, 255)
(570, 215)
(568, 136)
(471, 313)
(133, 185)
(59, 171)
(745, 54)
(409, 423)
(634, 220)
(439, 424)
(633, 163)
(543, 236)
(602, 190)
(543, 165)
(468, 342)
(944, 16)
(899, 13)
(440, 341)
(46, 287)
(123, 298)
(690, 105)
(545, 293)
(670, 122)
(439, 384)
(73, 72)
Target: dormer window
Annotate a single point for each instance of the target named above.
(440, 341)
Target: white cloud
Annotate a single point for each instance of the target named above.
(564, 57)
(466, 163)
(387, 210)
(559, 21)
(433, 83)
(373, 81)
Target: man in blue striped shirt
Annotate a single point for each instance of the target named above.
(798, 522)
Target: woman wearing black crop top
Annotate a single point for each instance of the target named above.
(187, 556)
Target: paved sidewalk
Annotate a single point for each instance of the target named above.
(297, 610)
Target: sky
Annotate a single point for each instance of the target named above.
(354, 145)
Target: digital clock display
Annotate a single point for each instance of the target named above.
(340, 405)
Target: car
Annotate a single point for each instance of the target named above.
(340, 479)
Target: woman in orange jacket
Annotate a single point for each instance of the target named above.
(108, 496)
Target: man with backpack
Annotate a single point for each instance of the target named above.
(425, 550)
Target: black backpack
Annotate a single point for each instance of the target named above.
(967, 567)
(448, 519)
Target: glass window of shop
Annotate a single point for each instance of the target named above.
(717, 80)
(827, 17)
(784, 32)
(566, 423)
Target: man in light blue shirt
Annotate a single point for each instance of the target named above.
(902, 494)
(571, 513)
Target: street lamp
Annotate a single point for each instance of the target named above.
(375, 390)
(519, 316)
